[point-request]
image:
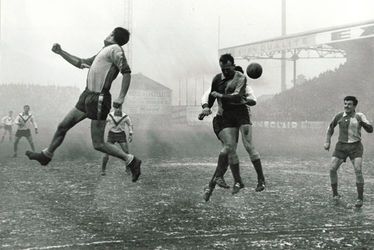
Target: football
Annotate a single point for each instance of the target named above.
(254, 70)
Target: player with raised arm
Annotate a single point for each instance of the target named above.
(95, 101)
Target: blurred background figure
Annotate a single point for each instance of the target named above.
(117, 122)
(6, 123)
(24, 121)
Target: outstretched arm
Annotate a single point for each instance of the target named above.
(74, 60)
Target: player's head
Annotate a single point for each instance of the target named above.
(350, 103)
(117, 109)
(26, 108)
(119, 36)
(239, 68)
(227, 64)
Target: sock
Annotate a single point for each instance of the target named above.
(258, 167)
(104, 163)
(360, 190)
(47, 153)
(235, 172)
(212, 184)
(334, 189)
(222, 164)
(129, 160)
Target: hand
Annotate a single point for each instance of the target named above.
(216, 94)
(56, 48)
(206, 111)
(130, 137)
(326, 146)
(359, 118)
(36, 131)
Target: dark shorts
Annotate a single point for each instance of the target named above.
(117, 137)
(23, 133)
(8, 127)
(218, 126)
(95, 105)
(351, 150)
(236, 118)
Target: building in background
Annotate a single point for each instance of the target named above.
(145, 96)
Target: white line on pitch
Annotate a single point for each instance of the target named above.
(76, 244)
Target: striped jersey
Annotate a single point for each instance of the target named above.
(104, 67)
(248, 96)
(24, 121)
(349, 126)
(117, 124)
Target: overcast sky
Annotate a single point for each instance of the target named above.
(172, 40)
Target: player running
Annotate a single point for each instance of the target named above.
(117, 122)
(95, 101)
(348, 145)
(24, 121)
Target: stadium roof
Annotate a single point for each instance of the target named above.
(311, 39)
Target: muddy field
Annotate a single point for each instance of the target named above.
(69, 205)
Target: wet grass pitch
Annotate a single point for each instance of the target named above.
(69, 205)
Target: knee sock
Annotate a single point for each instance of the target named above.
(258, 167)
(360, 190)
(334, 189)
(235, 172)
(222, 163)
(104, 163)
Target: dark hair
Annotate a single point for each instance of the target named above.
(351, 98)
(240, 69)
(121, 35)
(26, 106)
(225, 58)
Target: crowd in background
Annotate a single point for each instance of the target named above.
(318, 99)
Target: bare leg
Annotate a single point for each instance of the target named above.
(125, 147)
(4, 133)
(97, 135)
(334, 166)
(229, 137)
(357, 164)
(69, 121)
(246, 131)
(16, 146)
(29, 139)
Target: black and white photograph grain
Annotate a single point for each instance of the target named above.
(186, 124)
